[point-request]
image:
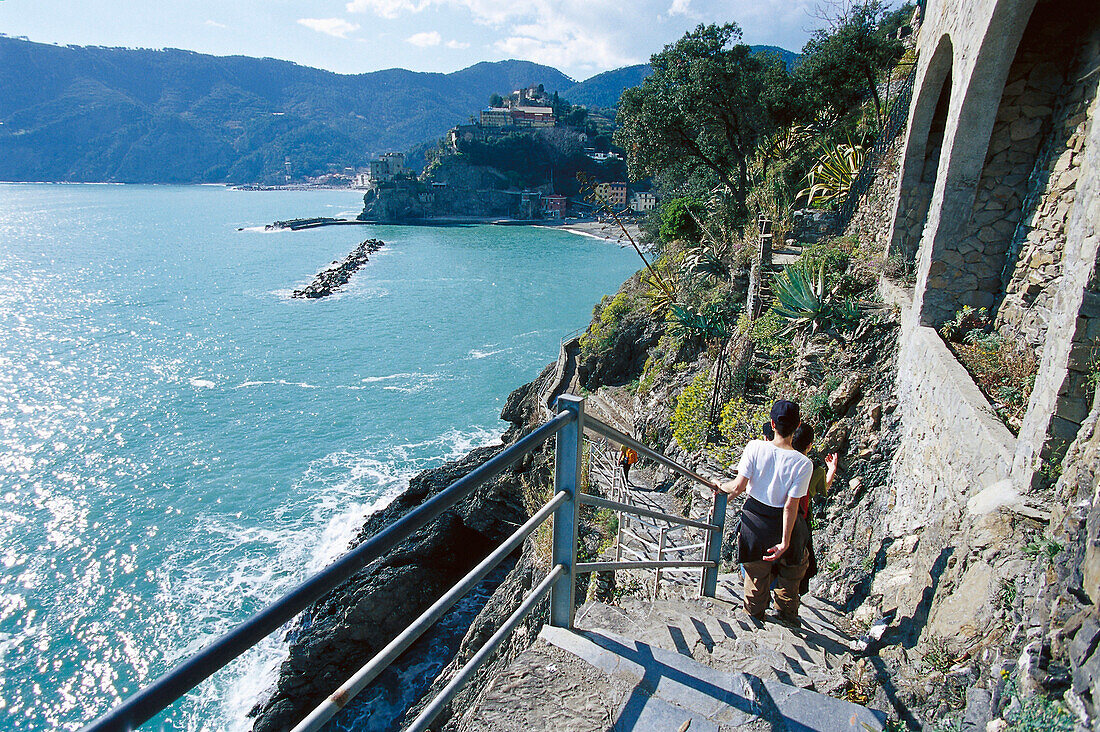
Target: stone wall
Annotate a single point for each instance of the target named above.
(967, 268)
(1039, 242)
(952, 446)
(868, 223)
(810, 225)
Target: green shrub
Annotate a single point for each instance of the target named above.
(740, 423)
(965, 321)
(1037, 713)
(767, 333)
(690, 426)
(677, 221)
(610, 312)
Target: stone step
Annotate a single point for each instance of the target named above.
(718, 633)
(731, 699)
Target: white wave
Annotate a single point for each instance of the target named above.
(278, 382)
(263, 230)
(415, 389)
(391, 377)
(298, 384)
(479, 354)
(201, 383)
(259, 563)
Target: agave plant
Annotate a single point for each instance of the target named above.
(710, 325)
(708, 259)
(831, 177)
(660, 294)
(801, 298)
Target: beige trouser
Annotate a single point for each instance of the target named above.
(758, 580)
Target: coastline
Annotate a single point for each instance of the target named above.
(605, 231)
(599, 230)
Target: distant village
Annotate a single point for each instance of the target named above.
(523, 109)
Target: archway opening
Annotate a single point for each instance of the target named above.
(921, 164)
(977, 267)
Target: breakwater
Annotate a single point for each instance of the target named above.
(329, 280)
(311, 223)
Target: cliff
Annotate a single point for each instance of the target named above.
(457, 190)
(343, 630)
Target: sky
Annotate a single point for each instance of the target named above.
(579, 37)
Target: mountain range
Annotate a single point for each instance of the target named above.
(90, 113)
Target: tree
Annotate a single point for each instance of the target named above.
(496, 100)
(703, 108)
(841, 66)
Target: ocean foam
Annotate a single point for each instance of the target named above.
(262, 563)
(477, 353)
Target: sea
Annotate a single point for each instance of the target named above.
(181, 441)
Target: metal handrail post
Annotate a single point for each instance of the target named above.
(567, 478)
(660, 558)
(713, 550)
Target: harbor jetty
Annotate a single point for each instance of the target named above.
(331, 279)
(312, 223)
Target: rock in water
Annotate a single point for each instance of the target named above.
(329, 280)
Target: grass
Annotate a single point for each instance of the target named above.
(1044, 548)
(1038, 713)
(938, 656)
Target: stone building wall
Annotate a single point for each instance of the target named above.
(1039, 240)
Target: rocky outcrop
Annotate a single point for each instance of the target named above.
(455, 190)
(335, 637)
(329, 280)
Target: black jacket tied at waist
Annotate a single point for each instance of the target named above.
(762, 528)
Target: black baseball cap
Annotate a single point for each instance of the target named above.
(786, 416)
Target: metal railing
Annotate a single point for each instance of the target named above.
(568, 426)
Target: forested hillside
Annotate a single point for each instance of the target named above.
(107, 114)
(71, 113)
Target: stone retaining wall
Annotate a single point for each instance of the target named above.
(1040, 238)
(953, 446)
(868, 223)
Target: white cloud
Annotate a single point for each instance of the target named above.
(337, 27)
(425, 39)
(216, 24)
(386, 8)
(582, 37)
(457, 45)
(679, 7)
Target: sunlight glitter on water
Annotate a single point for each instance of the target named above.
(178, 446)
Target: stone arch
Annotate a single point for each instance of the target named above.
(993, 149)
(920, 161)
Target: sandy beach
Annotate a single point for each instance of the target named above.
(608, 231)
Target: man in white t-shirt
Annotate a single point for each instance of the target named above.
(772, 537)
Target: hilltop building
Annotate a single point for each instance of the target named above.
(495, 117)
(381, 170)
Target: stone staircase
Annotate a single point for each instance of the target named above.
(682, 665)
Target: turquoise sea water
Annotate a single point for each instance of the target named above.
(180, 441)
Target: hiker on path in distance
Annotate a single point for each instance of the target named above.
(627, 457)
(772, 539)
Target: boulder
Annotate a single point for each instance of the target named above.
(845, 395)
